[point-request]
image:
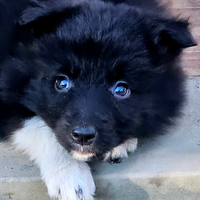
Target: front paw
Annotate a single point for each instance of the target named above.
(121, 151)
(74, 182)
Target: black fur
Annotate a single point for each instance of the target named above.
(96, 44)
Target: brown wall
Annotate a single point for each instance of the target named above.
(190, 9)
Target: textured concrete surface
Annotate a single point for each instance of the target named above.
(167, 168)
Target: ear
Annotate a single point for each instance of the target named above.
(44, 16)
(168, 38)
(177, 33)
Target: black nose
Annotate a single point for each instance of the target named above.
(83, 136)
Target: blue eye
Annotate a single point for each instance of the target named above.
(62, 83)
(122, 90)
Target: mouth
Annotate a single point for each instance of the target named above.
(82, 156)
(82, 153)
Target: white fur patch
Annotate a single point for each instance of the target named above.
(65, 177)
(122, 150)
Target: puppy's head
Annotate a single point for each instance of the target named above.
(97, 74)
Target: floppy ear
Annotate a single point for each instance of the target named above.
(44, 16)
(176, 32)
(171, 36)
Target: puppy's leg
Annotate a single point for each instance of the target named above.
(65, 178)
(121, 151)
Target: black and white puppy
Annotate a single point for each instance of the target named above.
(81, 79)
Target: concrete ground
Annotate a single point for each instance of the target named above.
(167, 168)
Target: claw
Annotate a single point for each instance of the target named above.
(114, 161)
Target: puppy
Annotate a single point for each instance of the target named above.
(81, 80)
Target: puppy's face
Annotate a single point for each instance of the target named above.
(88, 92)
(98, 84)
